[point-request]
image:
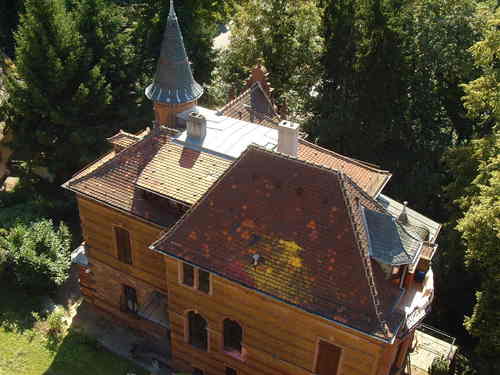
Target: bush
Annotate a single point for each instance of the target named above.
(37, 254)
(439, 366)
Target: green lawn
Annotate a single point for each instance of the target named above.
(25, 351)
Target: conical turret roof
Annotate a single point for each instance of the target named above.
(174, 82)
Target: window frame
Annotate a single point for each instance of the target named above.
(126, 300)
(242, 354)
(317, 352)
(196, 284)
(123, 259)
(187, 331)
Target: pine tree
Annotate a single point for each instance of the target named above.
(109, 36)
(55, 95)
(9, 19)
(360, 97)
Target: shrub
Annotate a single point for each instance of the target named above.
(56, 323)
(38, 254)
(439, 366)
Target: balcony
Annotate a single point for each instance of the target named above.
(429, 344)
(417, 299)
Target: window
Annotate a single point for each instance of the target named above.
(233, 335)
(198, 334)
(187, 274)
(203, 281)
(195, 278)
(328, 358)
(231, 371)
(129, 301)
(123, 245)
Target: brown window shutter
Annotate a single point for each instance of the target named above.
(123, 244)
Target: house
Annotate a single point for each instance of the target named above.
(248, 248)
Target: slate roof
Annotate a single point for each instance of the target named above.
(173, 82)
(305, 224)
(390, 242)
(415, 218)
(113, 179)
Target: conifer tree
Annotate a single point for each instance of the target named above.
(109, 36)
(55, 95)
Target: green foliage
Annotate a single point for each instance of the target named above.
(73, 83)
(480, 228)
(480, 202)
(38, 254)
(482, 98)
(391, 89)
(288, 45)
(439, 366)
(9, 18)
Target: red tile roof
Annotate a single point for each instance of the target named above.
(123, 139)
(368, 176)
(253, 105)
(112, 180)
(305, 224)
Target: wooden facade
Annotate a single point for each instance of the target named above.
(277, 338)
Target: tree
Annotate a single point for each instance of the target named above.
(361, 98)
(482, 95)
(286, 38)
(9, 19)
(391, 89)
(480, 224)
(38, 254)
(109, 36)
(73, 83)
(480, 229)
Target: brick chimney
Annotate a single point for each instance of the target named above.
(196, 126)
(288, 138)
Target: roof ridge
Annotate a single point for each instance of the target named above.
(365, 257)
(356, 161)
(234, 100)
(124, 133)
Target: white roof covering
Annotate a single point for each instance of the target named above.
(226, 135)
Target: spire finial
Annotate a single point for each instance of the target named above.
(171, 13)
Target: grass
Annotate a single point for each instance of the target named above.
(24, 350)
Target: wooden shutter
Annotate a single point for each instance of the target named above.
(123, 245)
(328, 359)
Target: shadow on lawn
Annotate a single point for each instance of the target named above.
(17, 307)
(80, 354)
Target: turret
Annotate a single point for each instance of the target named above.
(174, 89)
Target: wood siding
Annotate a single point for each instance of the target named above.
(98, 224)
(277, 338)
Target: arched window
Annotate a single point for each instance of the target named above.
(233, 335)
(198, 336)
